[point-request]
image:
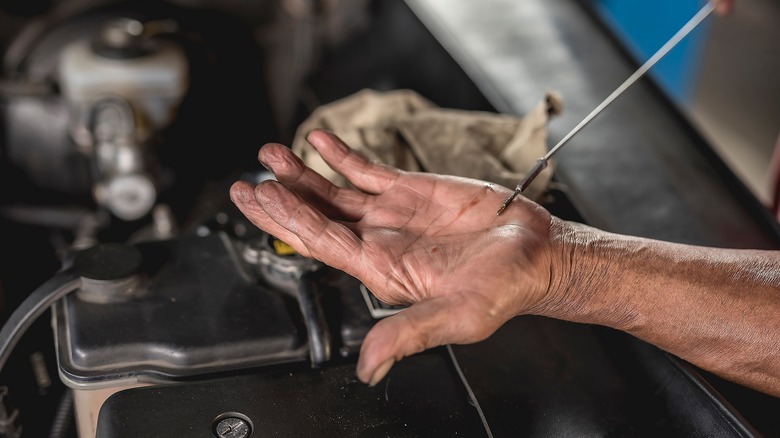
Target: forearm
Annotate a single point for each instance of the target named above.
(716, 308)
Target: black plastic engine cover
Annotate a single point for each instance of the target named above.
(422, 397)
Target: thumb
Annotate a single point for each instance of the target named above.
(424, 325)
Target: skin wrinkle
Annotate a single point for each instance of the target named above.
(362, 168)
(334, 193)
(407, 275)
(677, 308)
(591, 283)
(538, 258)
(464, 258)
(406, 216)
(341, 246)
(292, 221)
(414, 267)
(495, 313)
(241, 196)
(255, 210)
(716, 308)
(401, 275)
(411, 258)
(349, 204)
(472, 202)
(432, 224)
(381, 211)
(284, 164)
(291, 172)
(269, 204)
(708, 344)
(457, 216)
(377, 344)
(293, 166)
(578, 287)
(352, 226)
(761, 270)
(421, 338)
(420, 198)
(394, 286)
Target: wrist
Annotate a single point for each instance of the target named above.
(583, 276)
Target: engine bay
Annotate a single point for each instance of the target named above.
(123, 126)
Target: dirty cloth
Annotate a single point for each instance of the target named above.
(403, 129)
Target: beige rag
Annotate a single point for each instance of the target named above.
(403, 129)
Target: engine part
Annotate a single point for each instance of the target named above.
(109, 273)
(542, 162)
(194, 311)
(61, 284)
(424, 398)
(122, 60)
(165, 310)
(287, 270)
(122, 86)
(122, 165)
(9, 417)
(232, 425)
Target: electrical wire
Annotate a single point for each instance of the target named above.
(470, 393)
(63, 418)
(61, 284)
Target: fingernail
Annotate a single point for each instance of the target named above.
(381, 372)
(309, 139)
(334, 140)
(239, 194)
(265, 166)
(262, 160)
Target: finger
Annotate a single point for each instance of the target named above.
(328, 241)
(242, 194)
(367, 176)
(335, 202)
(424, 325)
(724, 7)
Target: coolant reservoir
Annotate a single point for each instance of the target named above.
(163, 311)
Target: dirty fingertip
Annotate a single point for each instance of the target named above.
(381, 372)
(267, 190)
(266, 156)
(240, 192)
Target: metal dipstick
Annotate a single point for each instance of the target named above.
(708, 8)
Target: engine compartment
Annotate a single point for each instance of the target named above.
(125, 123)
(224, 328)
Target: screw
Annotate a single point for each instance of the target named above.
(233, 427)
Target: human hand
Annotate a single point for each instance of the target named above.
(428, 240)
(725, 7)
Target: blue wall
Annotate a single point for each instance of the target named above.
(645, 25)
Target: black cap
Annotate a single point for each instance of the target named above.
(108, 261)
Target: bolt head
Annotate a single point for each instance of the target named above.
(233, 427)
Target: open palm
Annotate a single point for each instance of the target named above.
(428, 240)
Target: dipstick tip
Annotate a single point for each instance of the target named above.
(503, 207)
